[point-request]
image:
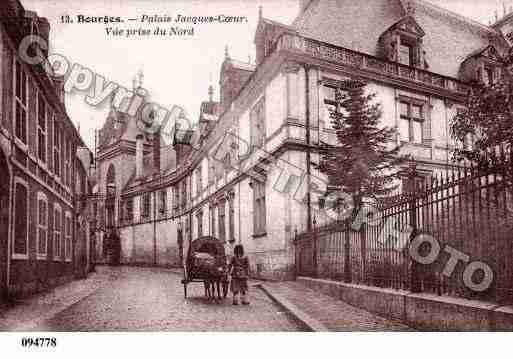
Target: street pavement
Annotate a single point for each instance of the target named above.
(152, 299)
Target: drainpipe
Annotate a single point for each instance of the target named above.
(308, 155)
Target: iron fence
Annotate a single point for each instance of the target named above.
(469, 210)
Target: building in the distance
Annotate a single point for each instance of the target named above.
(41, 238)
(420, 59)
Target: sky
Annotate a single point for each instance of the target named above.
(177, 70)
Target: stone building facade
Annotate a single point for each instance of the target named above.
(40, 172)
(246, 175)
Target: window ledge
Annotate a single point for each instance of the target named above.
(259, 235)
(41, 257)
(416, 144)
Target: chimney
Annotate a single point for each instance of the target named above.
(139, 155)
(156, 152)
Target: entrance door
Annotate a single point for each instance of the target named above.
(4, 223)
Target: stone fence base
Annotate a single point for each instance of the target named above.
(421, 311)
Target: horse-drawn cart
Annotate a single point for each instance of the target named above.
(205, 263)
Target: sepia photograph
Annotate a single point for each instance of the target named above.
(235, 166)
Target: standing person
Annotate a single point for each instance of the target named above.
(239, 270)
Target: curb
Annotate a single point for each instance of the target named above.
(306, 320)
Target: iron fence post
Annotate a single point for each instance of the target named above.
(315, 250)
(347, 257)
(412, 204)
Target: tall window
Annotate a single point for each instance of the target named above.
(41, 128)
(211, 171)
(129, 209)
(56, 147)
(257, 124)
(406, 53)
(259, 211)
(67, 162)
(231, 219)
(176, 203)
(411, 122)
(57, 232)
(222, 218)
(67, 238)
(212, 222)
(489, 75)
(162, 202)
(145, 206)
(333, 98)
(20, 249)
(20, 106)
(199, 218)
(199, 181)
(42, 226)
(184, 193)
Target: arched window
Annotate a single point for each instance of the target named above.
(110, 203)
(21, 215)
(227, 163)
(42, 226)
(110, 180)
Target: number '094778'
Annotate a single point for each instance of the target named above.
(40, 342)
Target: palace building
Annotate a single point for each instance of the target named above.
(246, 175)
(44, 168)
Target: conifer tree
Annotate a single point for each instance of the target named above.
(364, 163)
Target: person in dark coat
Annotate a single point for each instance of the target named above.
(239, 270)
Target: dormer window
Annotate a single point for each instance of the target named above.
(405, 53)
(402, 43)
(483, 66)
(489, 76)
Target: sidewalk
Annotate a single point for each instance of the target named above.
(320, 312)
(24, 314)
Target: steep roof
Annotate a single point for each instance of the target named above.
(240, 65)
(357, 25)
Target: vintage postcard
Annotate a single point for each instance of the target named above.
(255, 166)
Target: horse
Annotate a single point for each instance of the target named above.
(216, 277)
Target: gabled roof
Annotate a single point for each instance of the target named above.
(407, 24)
(357, 25)
(488, 51)
(275, 26)
(114, 127)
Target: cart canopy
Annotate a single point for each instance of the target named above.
(208, 245)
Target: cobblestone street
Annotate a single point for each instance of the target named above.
(144, 299)
(152, 299)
